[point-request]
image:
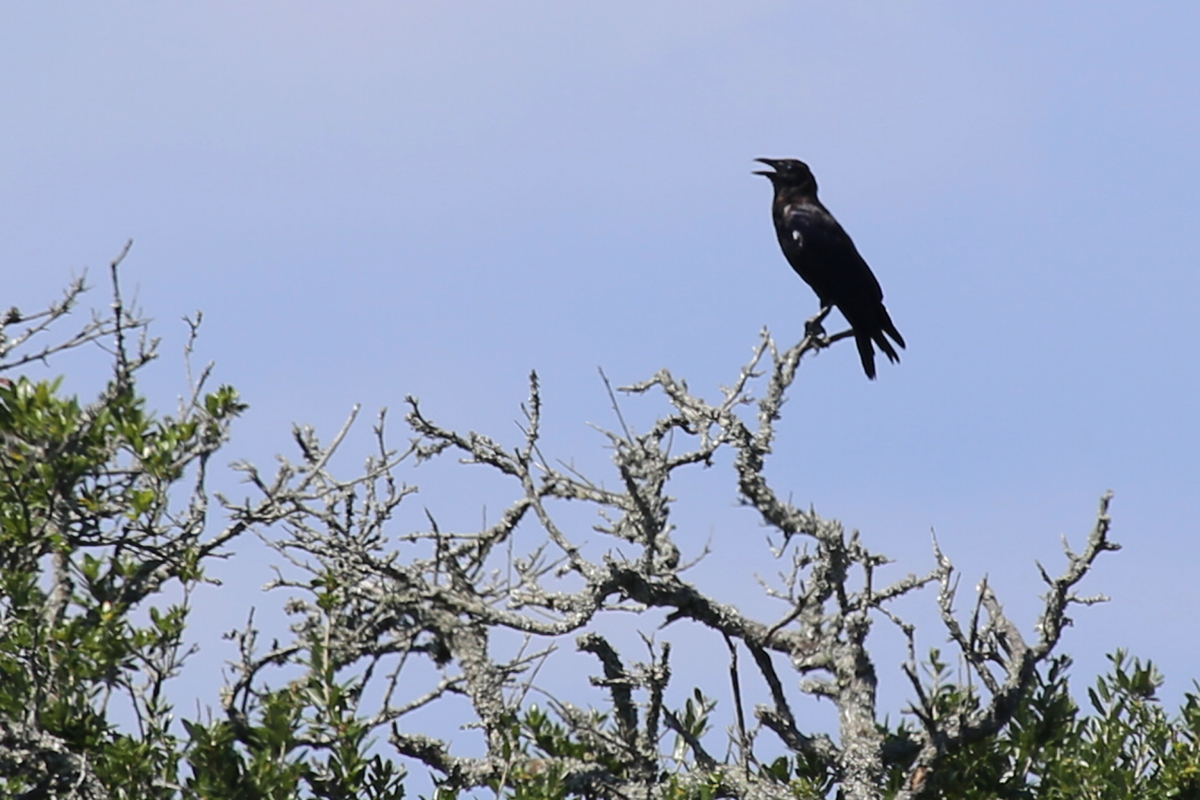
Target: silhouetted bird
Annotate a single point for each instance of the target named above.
(825, 257)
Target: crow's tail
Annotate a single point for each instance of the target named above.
(888, 327)
(864, 335)
(866, 353)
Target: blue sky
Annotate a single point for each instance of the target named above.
(370, 199)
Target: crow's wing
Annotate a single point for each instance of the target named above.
(826, 256)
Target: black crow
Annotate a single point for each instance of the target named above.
(825, 257)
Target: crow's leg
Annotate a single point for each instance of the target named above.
(813, 329)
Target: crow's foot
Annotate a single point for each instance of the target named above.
(813, 329)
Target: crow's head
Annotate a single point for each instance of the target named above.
(789, 173)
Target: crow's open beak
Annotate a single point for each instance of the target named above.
(770, 162)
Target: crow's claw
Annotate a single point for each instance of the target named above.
(813, 329)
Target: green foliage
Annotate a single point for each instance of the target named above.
(88, 540)
(805, 776)
(248, 762)
(1124, 746)
(93, 530)
(85, 541)
(537, 738)
(694, 720)
(1127, 746)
